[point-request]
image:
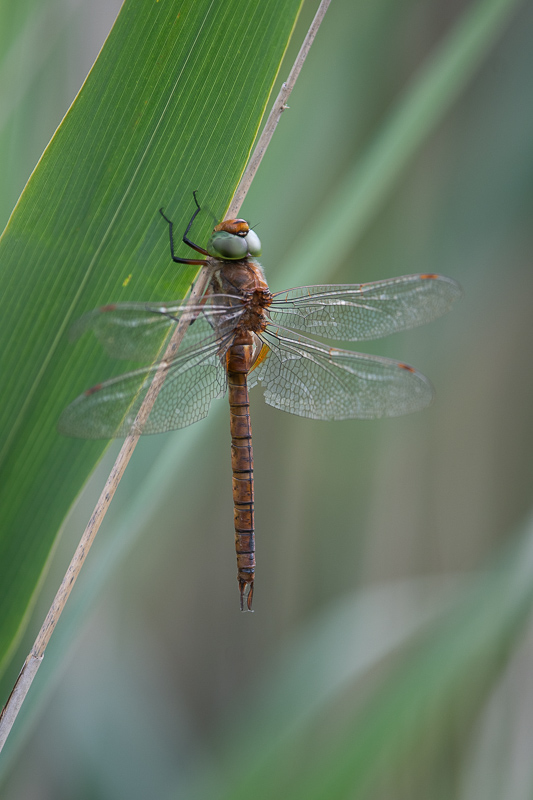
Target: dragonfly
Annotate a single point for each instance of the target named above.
(241, 335)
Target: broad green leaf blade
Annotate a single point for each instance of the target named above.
(172, 104)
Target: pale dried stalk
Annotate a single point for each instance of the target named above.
(35, 657)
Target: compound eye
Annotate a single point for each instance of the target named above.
(254, 243)
(226, 245)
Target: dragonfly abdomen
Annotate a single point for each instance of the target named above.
(242, 464)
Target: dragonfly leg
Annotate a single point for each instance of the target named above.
(186, 240)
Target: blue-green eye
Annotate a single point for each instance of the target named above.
(253, 242)
(227, 245)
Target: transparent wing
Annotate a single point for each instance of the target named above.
(196, 376)
(304, 378)
(367, 310)
(136, 331)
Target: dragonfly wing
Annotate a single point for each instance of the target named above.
(364, 311)
(137, 331)
(304, 378)
(195, 377)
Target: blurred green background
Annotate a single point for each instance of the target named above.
(388, 652)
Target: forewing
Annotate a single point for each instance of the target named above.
(137, 331)
(364, 311)
(195, 377)
(304, 378)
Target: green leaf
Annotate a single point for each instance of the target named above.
(172, 104)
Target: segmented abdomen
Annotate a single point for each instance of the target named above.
(242, 464)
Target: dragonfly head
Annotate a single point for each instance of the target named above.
(233, 240)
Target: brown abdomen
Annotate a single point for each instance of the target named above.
(242, 464)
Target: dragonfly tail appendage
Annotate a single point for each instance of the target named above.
(243, 483)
